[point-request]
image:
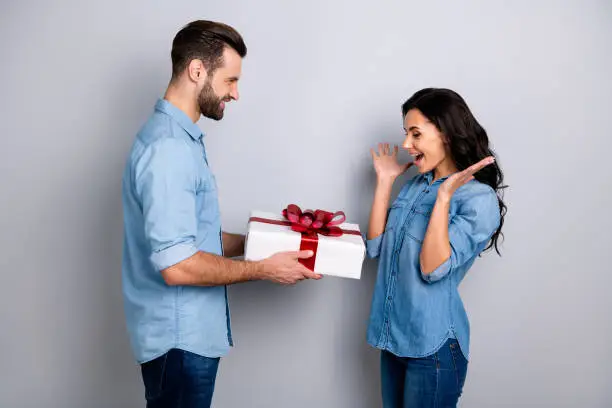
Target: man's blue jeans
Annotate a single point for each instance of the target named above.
(179, 379)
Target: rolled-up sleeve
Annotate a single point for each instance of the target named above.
(165, 182)
(469, 231)
(373, 245)
(438, 273)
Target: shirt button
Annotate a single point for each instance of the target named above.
(390, 297)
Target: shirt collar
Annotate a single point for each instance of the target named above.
(430, 175)
(180, 117)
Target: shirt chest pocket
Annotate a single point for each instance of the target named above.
(396, 214)
(207, 184)
(418, 221)
(207, 198)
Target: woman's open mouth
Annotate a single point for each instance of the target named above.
(418, 158)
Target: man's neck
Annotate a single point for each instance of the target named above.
(183, 99)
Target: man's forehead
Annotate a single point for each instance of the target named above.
(230, 55)
(232, 62)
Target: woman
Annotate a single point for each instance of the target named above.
(442, 219)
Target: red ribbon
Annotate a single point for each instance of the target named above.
(310, 224)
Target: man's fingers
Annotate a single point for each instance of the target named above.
(304, 254)
(294, 281)
(310, 274)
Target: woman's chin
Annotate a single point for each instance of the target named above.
(422, 169)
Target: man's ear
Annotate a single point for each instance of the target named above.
(196, 70)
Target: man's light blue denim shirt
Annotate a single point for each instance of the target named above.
(413, 314)
(171, 211)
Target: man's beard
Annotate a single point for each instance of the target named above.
(210, 104)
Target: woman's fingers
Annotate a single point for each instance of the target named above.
(469, 172)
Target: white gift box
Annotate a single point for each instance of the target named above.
(336, 256)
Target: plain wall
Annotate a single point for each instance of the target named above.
(322, 83)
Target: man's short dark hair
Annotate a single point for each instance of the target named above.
(204, 40)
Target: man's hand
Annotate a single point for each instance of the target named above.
(285, 269)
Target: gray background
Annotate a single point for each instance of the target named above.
(323, 82)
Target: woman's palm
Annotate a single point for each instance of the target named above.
(385, 162)
(455, 181)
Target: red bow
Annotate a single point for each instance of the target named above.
(310, 224)
(314, 222)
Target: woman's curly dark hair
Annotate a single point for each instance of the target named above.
(467, 140)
